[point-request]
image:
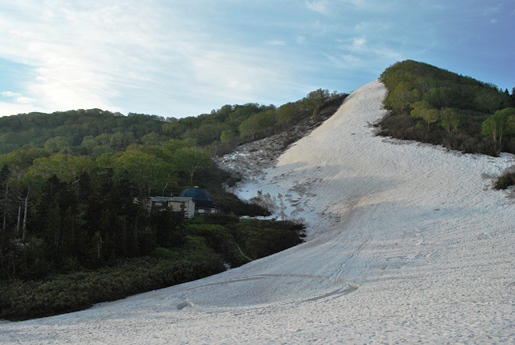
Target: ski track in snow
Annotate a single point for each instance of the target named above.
(406, 243)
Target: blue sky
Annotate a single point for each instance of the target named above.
(184, 58)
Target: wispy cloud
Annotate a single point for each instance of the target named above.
(188, 57)
(320, 6)
(17, 97)
(357, 53)
(359, 43)
(70, 54)
(101, 55)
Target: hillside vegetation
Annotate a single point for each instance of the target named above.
(94, 132)
(74, 187)
(432, 105)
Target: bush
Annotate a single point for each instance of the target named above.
(72, 292)
(220, 239)
(260, 238)
(504, 181)
(230, 203)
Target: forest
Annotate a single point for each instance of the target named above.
(74, 190)
(432, 105)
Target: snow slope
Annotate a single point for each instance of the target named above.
(407, 243)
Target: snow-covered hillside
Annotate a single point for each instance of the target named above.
(407, 243)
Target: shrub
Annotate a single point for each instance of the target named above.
(504, 181)
(67, 293)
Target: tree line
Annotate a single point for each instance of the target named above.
(94, 132)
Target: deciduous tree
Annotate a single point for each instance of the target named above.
(190, 160)
(450, 120)
(499, 125)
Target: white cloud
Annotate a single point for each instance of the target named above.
(110, 56)
(359, 43)
(320, 6)
(24, 100)
(234, 76)
(68, 50)
(17, 97)
(172, 60)
(358, 53)
(354, 44)
(9, 108)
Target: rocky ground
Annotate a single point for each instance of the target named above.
(248, 161)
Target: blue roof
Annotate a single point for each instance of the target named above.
(201, 197)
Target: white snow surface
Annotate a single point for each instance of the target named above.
(407, 243)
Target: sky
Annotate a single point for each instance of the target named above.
(177, 58)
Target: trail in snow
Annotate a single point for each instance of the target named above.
(406, 243)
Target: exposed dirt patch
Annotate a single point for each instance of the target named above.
(248, 161)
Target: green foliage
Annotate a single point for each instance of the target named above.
(314, 99)
(500, 125)
(95, 132)
(456, 110)
(451, 120)
(79, 131)
(220, 239)
(21, 160)
(262, 238)
(227, 136)
(229, 203)
(148, 171)
(488, 100)
(402, 97)
(241, 240)
(58, 144)
(71, 292)
(258, 125)
(66, 167)
(85, 222)
(190, 161)
(287, 113)
(423, 110)
(205, 245)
